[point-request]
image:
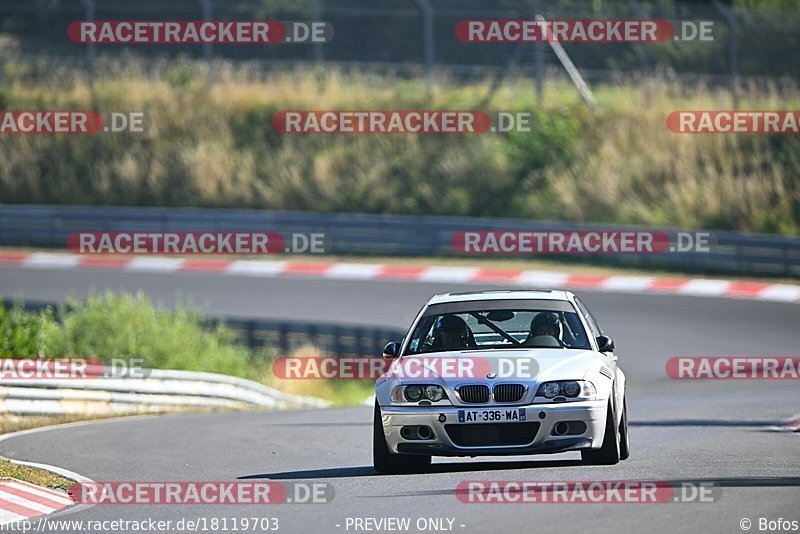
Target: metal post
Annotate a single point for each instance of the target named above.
(573, 73)
(208, 48)
(283, 338)
(338, 349)
(427, 37)
(250, 328)
(538, 59)
(313, 334)
(733, 55)
(645, 57)
(319, 53)
(91, 53)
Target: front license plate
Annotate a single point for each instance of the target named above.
(492, 416)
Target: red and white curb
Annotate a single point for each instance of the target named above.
(793, 424)
(792, 427)
(369, 271)
(65, 504)
(21, 500)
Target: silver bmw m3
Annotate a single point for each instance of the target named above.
(500, 373)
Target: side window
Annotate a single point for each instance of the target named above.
(420, 336)
(595, 327)
(575, 331)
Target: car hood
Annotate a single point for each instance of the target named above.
(566, 364)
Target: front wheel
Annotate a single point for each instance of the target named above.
(384, 461)
(609, 452)
(624, 439)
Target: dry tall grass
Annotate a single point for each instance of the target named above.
(213, 145)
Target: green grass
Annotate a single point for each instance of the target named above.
(40, 477)
(215, 146)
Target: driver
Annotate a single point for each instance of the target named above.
(451, 332)
(544, 326)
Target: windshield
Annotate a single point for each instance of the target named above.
(477, 327)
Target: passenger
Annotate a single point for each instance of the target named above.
(546, 331)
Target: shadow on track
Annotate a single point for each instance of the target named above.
(452, 467)
(733, 482)
(315, 424)
(705, 422)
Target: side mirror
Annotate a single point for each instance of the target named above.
(391, 349)
(605, 344)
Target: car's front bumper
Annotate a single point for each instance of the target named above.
(542, 419)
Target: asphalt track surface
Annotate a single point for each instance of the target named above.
(719, 432)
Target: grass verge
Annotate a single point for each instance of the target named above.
(40, 477)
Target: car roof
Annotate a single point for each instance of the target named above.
(502, 294)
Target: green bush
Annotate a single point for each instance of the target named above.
(124, 326)
(24, 334)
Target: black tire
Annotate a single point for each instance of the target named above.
(624, 439)
(384, 461)
(608, 453)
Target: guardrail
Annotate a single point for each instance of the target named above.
(388, 235)
(265, 337)
(158, 391)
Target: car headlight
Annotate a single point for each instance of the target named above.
(549, 390)
(413, 393)
(569, 389)
(418, 392)
(434, 393)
